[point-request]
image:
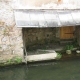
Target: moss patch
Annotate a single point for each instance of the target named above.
(59, 55)
(14, 60)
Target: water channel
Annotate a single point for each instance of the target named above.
(56, 70)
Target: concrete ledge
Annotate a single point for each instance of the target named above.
(40, 57)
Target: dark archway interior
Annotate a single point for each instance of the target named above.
(44, 39)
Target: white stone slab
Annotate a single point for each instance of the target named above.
(41, 57)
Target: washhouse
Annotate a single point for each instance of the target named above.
(47, 31)
(38, 30)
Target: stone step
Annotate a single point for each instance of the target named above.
(66, 41)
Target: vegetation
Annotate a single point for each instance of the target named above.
(59, 55)
(18, 60)
(69, 47)
(15, 60)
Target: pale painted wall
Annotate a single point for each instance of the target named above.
(46, 4)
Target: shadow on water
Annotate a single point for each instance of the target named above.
(64, 70)
(14, 73)
(58, 70)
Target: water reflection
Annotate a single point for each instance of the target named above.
(63, 70)
(13, 73)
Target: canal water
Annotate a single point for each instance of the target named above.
(56, 70)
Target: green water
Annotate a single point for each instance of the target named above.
(62, 70)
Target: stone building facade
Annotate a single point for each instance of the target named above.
(11, 44)
(11, 41)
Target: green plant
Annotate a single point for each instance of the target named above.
(59, 55)
(9, 61)
(18, 60)
(4, 31)
(75, 43)
(69, 47)
(14, 60)
(0, 47)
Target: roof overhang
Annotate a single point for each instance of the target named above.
(46, 18)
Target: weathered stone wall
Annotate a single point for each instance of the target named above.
(77, 33)
(40, 36)
(11, 42)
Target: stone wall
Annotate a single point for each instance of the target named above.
(77, 33)
(40, 36)
(11, 43)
